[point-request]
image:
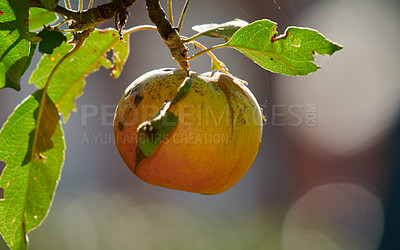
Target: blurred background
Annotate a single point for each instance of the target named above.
(327, 173)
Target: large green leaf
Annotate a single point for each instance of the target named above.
(39, 17)
(69, 79)
(32, 145)
(14, 48)
(289, 54)
(49, 4)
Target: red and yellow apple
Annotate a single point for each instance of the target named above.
(214, 142)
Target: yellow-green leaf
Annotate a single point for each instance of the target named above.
(39, 17)
(69, 79)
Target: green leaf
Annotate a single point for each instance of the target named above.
(14, 48)
(49, 4)
(39, 17)
(289, 54)
(51, 39)
(152, 132)
(69, 79)
(183, 89)
(224, 30)
(32, 145)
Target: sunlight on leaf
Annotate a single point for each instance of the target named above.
(32, 145)
(39, 17)
(14, 49)
(69, 79)
(289, 54)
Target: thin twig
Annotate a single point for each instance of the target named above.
(206, 51)
(67, 4)
(140, 27)
(80, 7)
(212, 55)
(61, 23)
(183, 14)
(194, 37)
(170, 14)
(68, 31)
(90, 4)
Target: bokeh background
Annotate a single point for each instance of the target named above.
(327, 173)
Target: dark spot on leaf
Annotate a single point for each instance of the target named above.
(215, 34)
(271, 59)
(1, 12)
(120, 125)
(95, 50)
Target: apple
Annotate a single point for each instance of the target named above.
(212, 144)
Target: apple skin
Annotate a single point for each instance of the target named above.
(214, 142)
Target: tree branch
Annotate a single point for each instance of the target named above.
(169, 35)
(91, 18)
(117, 9)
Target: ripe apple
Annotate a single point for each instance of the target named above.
(214, 141)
